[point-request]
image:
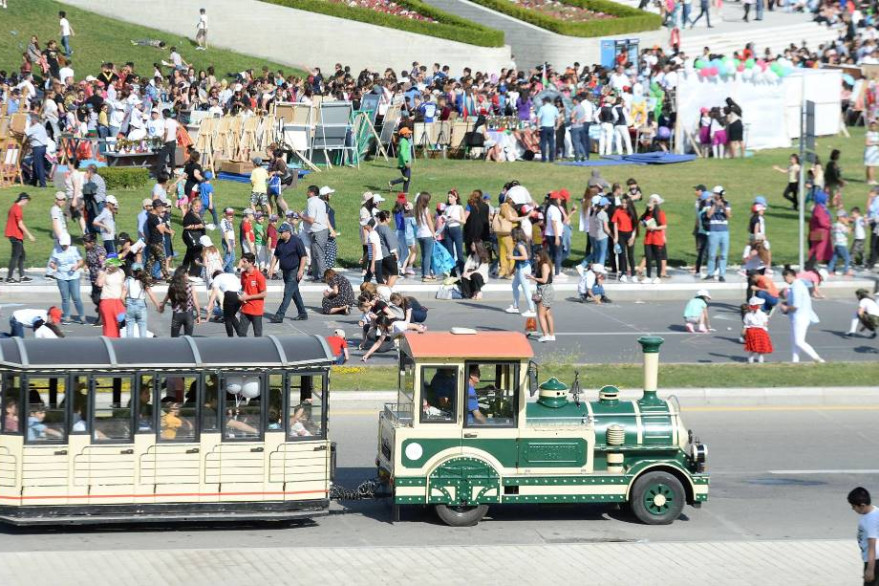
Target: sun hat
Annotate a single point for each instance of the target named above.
(326, 190)
(112, 199)
(703, 293)
(718, 190)
(656, 199)
(377, 198)
(113, 261)
(604, 201)
(339, 332)
(60, 195)
(599, 269)
(367, 195)
(205, 241)
(596, 200)
(756, 301)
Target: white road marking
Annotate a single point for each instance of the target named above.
(839, 471)
(623, 333)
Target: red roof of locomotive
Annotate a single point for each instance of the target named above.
(479, 345)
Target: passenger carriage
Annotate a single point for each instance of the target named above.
(460, 442)
(122, 430)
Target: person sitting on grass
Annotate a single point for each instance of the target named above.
(696, 313)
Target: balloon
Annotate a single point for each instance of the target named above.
(749, 63)
(714, 71)
(705, 71)
(234, 384)
(251, 388)
(848, 79)
(700, 64)
(740, 67)
(730, 68)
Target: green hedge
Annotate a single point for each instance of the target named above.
(125, 177)
(628, 20)
(448, 26)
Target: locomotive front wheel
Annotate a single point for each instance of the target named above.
(657, 498)
(461, 516)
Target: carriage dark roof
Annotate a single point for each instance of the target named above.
(144, 353)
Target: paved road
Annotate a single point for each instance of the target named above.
(585, 333)
(778, 473)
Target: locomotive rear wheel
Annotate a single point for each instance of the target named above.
(657, 498)
(461, 516)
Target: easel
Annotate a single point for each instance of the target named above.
(204, 144)
(364, 129)
(295, 129)
(11, 150)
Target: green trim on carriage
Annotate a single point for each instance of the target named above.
(565, 480)
(565, 498)
(411, 481)
(537, 411)
(504, 450)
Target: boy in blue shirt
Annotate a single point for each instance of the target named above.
(206, 192)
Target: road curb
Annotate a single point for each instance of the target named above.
(725, 396)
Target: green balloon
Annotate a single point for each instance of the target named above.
(749, 63)
(700, 64)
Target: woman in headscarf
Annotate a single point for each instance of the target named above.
(820, 246)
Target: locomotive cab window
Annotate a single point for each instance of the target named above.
(46, 421)
(439, 392)
(491, 393)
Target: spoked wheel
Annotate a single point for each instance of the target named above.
(657, 498)
(461, 516)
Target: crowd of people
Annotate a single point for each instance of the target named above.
(460, 240)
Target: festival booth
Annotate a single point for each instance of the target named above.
(770, 97)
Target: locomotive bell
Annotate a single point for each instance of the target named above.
(553, 393)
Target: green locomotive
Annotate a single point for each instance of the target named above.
(471, 428)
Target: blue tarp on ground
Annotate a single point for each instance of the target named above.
(637, 159)
(239, 178)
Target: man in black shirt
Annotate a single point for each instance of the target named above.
(290, 255)
(156, 228)
(193, 230)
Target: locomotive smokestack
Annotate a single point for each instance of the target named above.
(650, 347)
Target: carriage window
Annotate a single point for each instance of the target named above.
(275, 420)
(439, 389)
(177, 421)
(145, 412)
(243, 407)
(45, 420)
(491, 394)
(210, 408)
(306, 404)
(80, 398)
(11, 393)
(113, 422)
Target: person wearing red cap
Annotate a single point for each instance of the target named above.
(29, 318)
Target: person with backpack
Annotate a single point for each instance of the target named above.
(606, 120)
(700, 227)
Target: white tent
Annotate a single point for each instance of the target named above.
(770, 108)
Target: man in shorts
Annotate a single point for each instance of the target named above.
(259, 178)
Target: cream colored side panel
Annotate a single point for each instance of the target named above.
(303, 468)
(209, 486)
(175, 473)
(77, 488)
(10, 469)
(239, 469)
(45, 474)
(273, 485)
(109, 471)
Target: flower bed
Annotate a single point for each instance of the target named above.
(577, 18)
(411, 16)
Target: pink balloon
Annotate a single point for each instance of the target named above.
(705, 71)
(741, 67)
(714, 71)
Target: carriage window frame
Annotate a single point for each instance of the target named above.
(23, 416)
(219, 412)
(422, 387)
(323, 375)
(263, 407)
(157, 412)
(93, 404)
(7, 377)
(514, 391)
(136, 404)
(73, 380)
(285, 391)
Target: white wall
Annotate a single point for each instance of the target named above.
(770, 109)
(295, 37)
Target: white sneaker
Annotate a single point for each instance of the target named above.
(624, 279)
(546, 339)
(512, 309)
(656, 281)
(579, 269)
(527, 313)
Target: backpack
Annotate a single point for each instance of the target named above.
(606, 114)
(89, 190)
(704, 219)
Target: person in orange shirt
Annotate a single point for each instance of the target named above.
(339, 345)
(761, 286)
(252, 297)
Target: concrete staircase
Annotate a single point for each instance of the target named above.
(725, 39)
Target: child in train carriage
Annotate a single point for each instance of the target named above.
(755, 331)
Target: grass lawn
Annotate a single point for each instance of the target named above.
(742, 178)
(671, 376)
(99, 39)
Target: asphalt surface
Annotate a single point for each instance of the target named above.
(778, 472)
(585, 333)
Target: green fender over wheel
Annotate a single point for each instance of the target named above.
(464, 481)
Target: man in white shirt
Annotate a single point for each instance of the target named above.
(868, 531)
(315, 216)
(867, 315)
(66, 75)
(619, 79)
(224, 293)
(25, 318)
(555, 229)
(155, 126)
(169, 133)
(201, 31)
(66, 32)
